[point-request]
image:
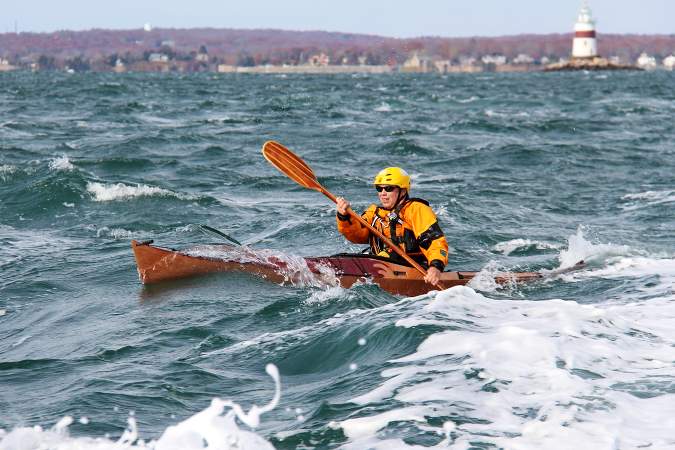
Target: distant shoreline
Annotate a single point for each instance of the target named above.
(279, 51)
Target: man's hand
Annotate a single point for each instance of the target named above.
(342, 206)
(433, 276)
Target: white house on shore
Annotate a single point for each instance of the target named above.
(646, 62)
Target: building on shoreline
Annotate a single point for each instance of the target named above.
(5, 66)
(259, 51)
(669, 62)
(646, 62)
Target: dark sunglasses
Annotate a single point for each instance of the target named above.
(385, 188)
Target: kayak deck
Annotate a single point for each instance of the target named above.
(156, 264)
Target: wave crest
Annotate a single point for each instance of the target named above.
(119, 191)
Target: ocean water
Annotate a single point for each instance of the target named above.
(525, 171)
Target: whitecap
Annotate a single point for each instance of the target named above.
(115, 233)
(648, 198)
(471, 99)
(659, 271)
(384, 107)
(6, 170)
(508, 247)
(61, 163)
(214, 427)
(119, 191)
(545, 374)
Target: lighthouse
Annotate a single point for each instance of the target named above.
(584, 45)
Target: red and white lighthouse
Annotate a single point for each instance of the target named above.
(584, 45)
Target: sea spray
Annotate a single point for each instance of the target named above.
(293, 268)
(215, 427)
(580, 249)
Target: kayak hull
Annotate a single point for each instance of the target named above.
(156, 264)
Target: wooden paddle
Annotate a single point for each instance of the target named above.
(297, 170)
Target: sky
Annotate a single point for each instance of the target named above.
(393, 18)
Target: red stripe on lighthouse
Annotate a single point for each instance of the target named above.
(585, 34)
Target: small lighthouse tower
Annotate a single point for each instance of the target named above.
(584, 45)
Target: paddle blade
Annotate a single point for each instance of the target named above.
(290, 164)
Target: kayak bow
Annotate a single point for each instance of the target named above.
(156, 264)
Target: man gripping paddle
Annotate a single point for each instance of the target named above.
(408, 222)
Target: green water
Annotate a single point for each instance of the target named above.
(513, 164)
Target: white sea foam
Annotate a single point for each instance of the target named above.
(328, 295)
(549, 374)
(511, 246)
(115, 233)
(658, 275)
(384, 107)
(61, 163)
(485, 279)
(648, 198)
(119, 191)
(215, 427)
(580, 249)
(471, 99)
(6, 170)
(357, 428)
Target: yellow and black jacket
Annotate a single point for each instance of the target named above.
(414, 228)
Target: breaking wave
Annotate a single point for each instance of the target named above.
(646, 199)
(215, 427)
(520, 374)
(61, 163)
(518, 245)
(119, 191)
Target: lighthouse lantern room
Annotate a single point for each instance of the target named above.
(584, 45)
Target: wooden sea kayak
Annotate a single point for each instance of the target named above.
(156, 264)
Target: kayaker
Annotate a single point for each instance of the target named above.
(409, 222)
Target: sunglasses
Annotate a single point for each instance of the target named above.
(385, 188)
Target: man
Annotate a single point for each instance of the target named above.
(409, 222)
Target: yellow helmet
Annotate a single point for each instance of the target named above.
(393, 176)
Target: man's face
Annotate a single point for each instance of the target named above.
(388, 195)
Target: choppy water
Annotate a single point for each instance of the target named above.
(526, 171)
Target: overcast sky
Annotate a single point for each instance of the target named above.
(395, 18)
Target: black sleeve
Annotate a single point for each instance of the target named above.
(343, 217)
(434, 232)
(437, 263)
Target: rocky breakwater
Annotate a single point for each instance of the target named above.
(596, 63)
